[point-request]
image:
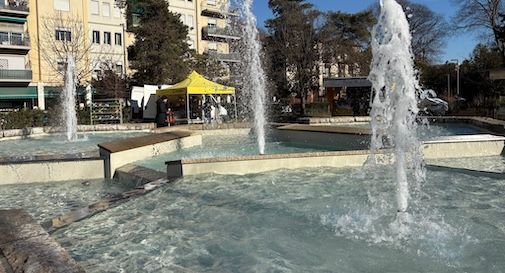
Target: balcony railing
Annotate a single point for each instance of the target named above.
(226, 57)
(18, 5)
(227, 33)
(218, 7)
(15, 75)
(14, 39)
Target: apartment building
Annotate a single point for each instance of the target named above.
(210, 27)
(15, 72)
(107, 26)
(31, 73)
(218, 32)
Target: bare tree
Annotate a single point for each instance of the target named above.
(111, 83)
(429, 30)
(61, 36)
(481, 15)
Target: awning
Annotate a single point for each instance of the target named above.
(12, 19)
(196, 84)
(17, 93)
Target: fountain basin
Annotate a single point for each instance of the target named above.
(304, 220)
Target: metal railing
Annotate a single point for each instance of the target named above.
(226, 32)
(19, 5)
(7, 74)
(218, 6)
(227, 57)
(14, 39)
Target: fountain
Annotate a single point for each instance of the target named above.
(394, 106)
(255, 80)
(69, 115)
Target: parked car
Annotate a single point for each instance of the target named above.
(429, 104)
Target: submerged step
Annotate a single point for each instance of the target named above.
(27, 247)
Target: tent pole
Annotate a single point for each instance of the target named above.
(187, 109)
(235, 102)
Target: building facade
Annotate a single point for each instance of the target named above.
(15, 71)
(35, 36)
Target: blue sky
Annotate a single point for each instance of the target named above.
(459, 46)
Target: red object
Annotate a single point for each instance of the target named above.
(171, 118)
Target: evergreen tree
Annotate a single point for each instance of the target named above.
(159, 53)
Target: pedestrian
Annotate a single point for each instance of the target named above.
(161, 112)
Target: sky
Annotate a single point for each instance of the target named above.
(459, 46)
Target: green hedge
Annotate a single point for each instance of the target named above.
(37, 118)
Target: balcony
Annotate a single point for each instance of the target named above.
(14, 41)
(7, 75)
(223, 33)
(217, 8)
(18, 7)
(232, 57)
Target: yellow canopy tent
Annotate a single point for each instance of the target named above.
(196, 85)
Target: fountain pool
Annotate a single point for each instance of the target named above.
(427, 132)
(47, 200)
(56, 144)
(307, 220)
(231, 145)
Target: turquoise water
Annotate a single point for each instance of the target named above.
(229, 145)
(306, 220)
(47, 200)
(55, 144)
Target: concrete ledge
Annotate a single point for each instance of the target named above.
(81, 128)
(43, 158)
(343, 119)
(328, 129)
(122, 152)
(28, 248)
(51, 170)
(138, 174)
(453, 147)
(464, 146)
(137, 142)
(256, 164)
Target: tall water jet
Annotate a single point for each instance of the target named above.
(394, 106)
(255, 75)
(69, 114)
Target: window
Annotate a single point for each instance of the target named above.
(118, 39)
(16, 38)
(119, 68)
(63, 35)
(106, 38)
(212, 23)
(94, 7)
(189, 21)
(63, 5)
(106, 9)
(97, 73)
(96, 37)
(117, 11)
(211, 2)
